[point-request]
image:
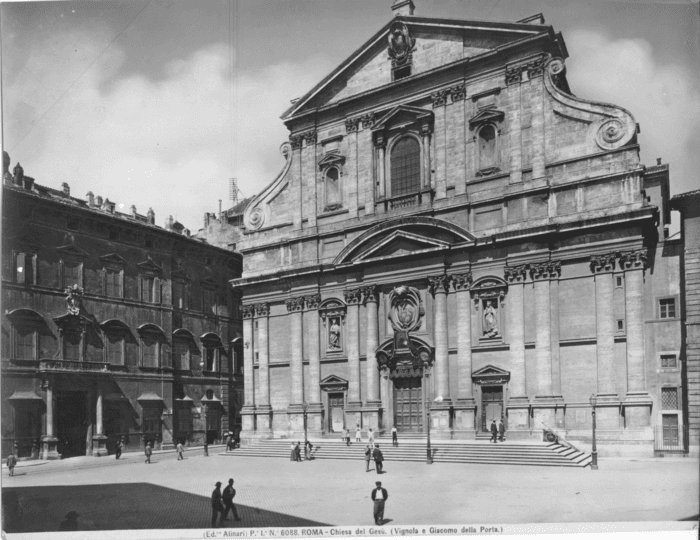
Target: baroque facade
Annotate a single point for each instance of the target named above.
(456, 237)
(112, 327)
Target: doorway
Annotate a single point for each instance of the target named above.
(408, 404)
(71, 423)
(491, 405)
(336, 418)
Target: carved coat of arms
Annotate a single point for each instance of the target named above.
(406, 314)
(401, 44)
(74, 300)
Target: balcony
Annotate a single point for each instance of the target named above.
(70, 366)
(407, 201)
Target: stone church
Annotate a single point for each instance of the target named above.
(456, 237)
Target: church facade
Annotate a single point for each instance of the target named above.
(455, 237)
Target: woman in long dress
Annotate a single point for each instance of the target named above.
(293, 456)
(358, 434)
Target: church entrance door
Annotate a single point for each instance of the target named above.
(491, 405)
(71, 423)
(408, 410)
(336, 404)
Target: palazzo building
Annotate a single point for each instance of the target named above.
(112, 327)
(456, 237)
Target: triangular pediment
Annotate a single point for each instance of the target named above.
(402, 116)
(114, 259)
(330, 159)
(334, 380)
(149, 266)
(401, 243)
(487, 115)
(490, 371)
(370, 66)
(72, 250)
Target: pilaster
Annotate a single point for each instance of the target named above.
(440, 410)
(353, 297)
(465, 406)
(263, 410)
(518, 405)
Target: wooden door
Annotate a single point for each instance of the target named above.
(670, 429)
(336, 405)
(491, 405)
(408, 406)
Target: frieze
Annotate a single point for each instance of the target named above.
(371, 293)
(632, 260)
(294, 304)
(262, 309)
(603, 263)
(353, 296)
(515, 273)
(545, 270)
(248, 311)
(462, 282)
(458, 92)
(352, 124)
(439, 284)
(312, 301)
(440, 97)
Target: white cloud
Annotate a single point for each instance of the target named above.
(163, 144)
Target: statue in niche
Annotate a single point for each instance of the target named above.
(490, 320)
(334, 335)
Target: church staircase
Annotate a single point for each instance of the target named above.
(413, 448)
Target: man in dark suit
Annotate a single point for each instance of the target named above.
(501, 430)
(120, 447)
(379, 496)
(378, 460)
(228, 495)
(216, 505)
(494, 431)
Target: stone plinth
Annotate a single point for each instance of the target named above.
(49, 448)
(465, 418)
(544, 411)
(314, 420)
(637, 406)
(518, 413)
(263, 421)
(99, 446)
(440, 427)
(607, 412)
(247, 421)
(371, 413)
(353, 416)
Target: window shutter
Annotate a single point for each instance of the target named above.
(156, 290)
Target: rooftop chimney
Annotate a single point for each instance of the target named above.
(151, 217)
(18, 173)
(66, 189)
(133, 211)
(108, 206)
(186, 232)
(169, 223)
(658, 161)
(90, 198)
(99, 201)
(403, 7)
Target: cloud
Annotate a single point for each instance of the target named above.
(663, 98)
(163, 144)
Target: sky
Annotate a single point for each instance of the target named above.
(158, 103)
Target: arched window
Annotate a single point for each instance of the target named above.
(334, 198)
(405, 167)
(487, 147)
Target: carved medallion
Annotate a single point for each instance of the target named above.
(401, 44)
(406, 312)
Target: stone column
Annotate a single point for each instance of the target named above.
(99, 440)
(426, 130)
(607, 416)
(248, 409)
(440, 411)
(295, 411)
(637, 400)
(49, 443)
(465, 407)
(371, 410)
(545, 404)
(380, 144)
(314, 415)
(518, 406)
(263, 410)
(353, 413)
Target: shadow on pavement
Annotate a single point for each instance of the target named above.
(125, 506)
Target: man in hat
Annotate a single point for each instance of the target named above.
(70, 523)
(180, 451)
(494, 431)
(216, 506)
(378, 460)
(148, 451)
(120, 447)
(229, 494)
(11, 462)
(501, 430)
(379, 496)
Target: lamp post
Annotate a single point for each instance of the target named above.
(429, 456)
(594, 451)
(305, 405)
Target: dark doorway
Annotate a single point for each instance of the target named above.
(336, 407)
(71, 423)
(408, 405)
(491, 405)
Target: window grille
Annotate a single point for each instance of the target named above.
(669, 399)
(405, 167)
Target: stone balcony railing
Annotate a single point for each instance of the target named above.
(406, 201)
(68, 365)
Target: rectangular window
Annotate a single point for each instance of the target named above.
(71, 346)
(667, 308)
(147, 288)
(210, 358)
(114, 344)
(25, 342)
(179, 295)
(24, 268)
(149, 346)
(184, 419)
(209, 301)
(71, 274)
(669, 361)
(620, 325)
(618, 281)
(181, 354)
(669, 399)
(113, 279)
(151, 420)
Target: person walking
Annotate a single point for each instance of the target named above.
(346, 436)
(379, 497)
(148, 451)
(297, 451)
(308, 449)
(11, 462)
(293, 455)
(70, 523)
(494, 431)
(120, 447)
(358, 433)
(394, 437)
(370, 434)
(229, 438)
(229, 494)
(206, 449)
(378, 460)
(501, 431)
(180, 451)
(216, 506)
(368, 457)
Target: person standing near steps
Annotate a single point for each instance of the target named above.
(379, 497)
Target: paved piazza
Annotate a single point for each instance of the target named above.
(170, 494)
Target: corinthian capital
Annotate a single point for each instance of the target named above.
(514, 274)
(633, 260)
(462, 282)
(371, 293)
(294, 304)
(439, 284)
(545, 270)
(248, 311)
(353, 296)
(603, 263)
(262, 309)
(312, 301)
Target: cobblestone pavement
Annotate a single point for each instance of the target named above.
(168, 494)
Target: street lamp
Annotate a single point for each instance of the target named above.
(429, 457)
(594, 452)
(305, 405)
